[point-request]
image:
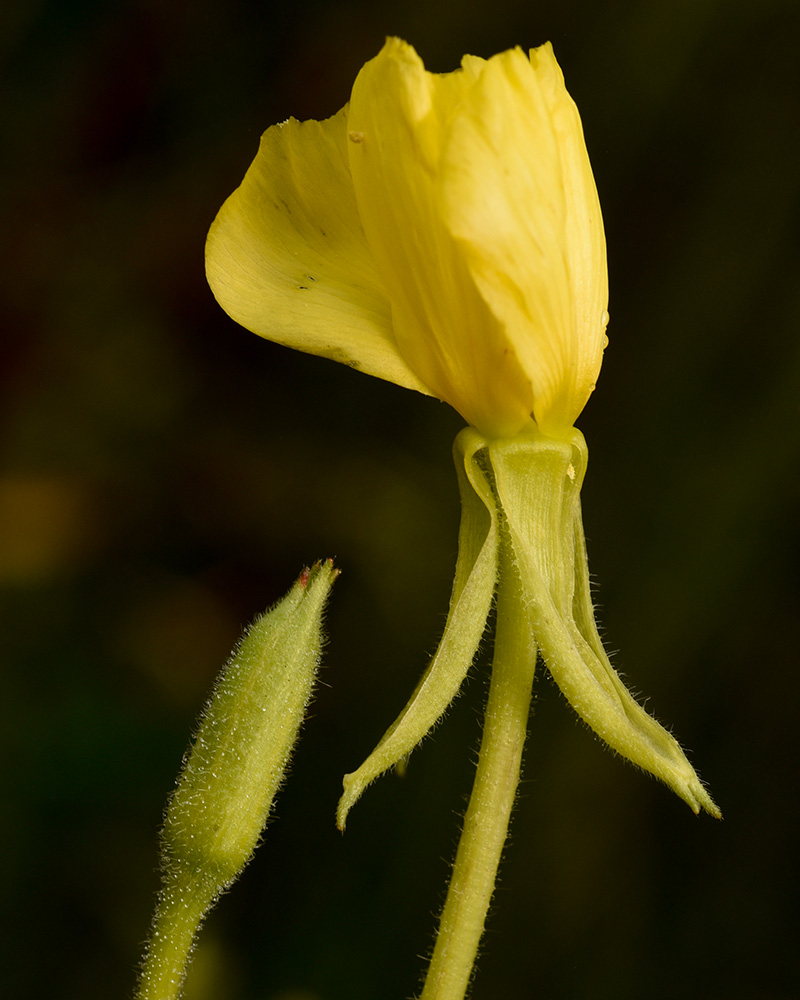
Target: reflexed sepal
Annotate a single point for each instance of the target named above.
(538, 482)
(470, 603)
(530, 484)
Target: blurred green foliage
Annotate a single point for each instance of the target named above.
(166, 475)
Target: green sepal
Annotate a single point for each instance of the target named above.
(538, 482)
(470, 603)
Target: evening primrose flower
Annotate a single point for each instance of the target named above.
(443, 232)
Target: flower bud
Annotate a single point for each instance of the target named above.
(232, 771)
(246, 735)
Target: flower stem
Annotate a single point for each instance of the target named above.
(181, 908)
(496, 780)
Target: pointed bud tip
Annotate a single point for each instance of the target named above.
(699, 799)
(346, 802)
(310, 572)
(711, 807)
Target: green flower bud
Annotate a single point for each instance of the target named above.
(233, 770)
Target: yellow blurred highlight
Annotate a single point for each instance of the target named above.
(48, 526)
(213, 972)
(176, 632)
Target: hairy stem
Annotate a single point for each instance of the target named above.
(496, 779)
(180, 912)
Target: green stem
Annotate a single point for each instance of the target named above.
(181, 908)
(496, 779)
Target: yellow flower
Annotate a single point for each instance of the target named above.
(442, 232)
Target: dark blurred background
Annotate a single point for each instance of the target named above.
(166, 475)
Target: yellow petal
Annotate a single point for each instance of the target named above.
(401, 115)
(520, 198)
(287, 258)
